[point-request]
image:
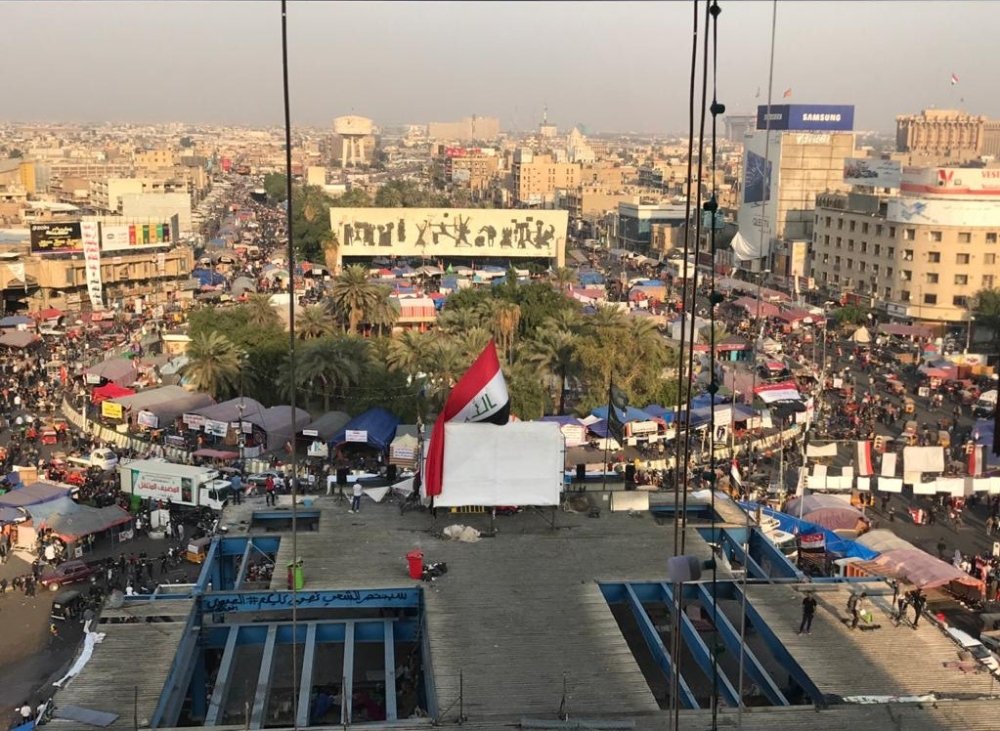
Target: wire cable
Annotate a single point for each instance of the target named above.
(753, 380)
(680, 521)
(291, 360)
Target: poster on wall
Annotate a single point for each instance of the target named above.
(56, 238)
(757, 216)
(91, 236)
(137, 235)
(869, 171)
(111, 410)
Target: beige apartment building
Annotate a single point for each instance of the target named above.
(946, 135)
(596, 201)
(473, 169)
(161, 158)
(536, 178)
(467, 129)
(917, 258)
(61, 282)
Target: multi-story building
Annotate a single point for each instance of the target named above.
(536, 178)
(155, 159)
(468, 129)
(595, 201)
(784, 168)
(107, 194)
(921, 255)
(636, 221)
(474, 168)
(946, 136)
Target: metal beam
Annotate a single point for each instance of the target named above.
(208, 567)
(699, 650)
(306, 678)
(330, 631)
(780, 652)
(731, 639)
(656, 648)
(782, 565)
(390, 671)
(264, 679)
(244, 565)
(175, 689)
(222, 680)
(749, 564)
(347, 692)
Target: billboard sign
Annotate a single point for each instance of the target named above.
(806, 117)
(137, 235)
(160, 487)
(442, 232)
(56, 238)
(757, 217)
(944, 212)
(869, 171)
(971, 182)
(92, 263)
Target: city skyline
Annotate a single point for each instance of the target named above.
(586, 63)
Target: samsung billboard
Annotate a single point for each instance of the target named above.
(806, 117)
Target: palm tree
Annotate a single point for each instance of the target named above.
(473, 342)
(506, 319)
(456, 321)
(213, 364)
(384, 313)
(564, 277)
(567, 319)
(328, 365)
(260, 312)
(555, 353)
(446, 365)
(354, 294)
(409, 351)
(314, 321)
(607, 318)
(719, 331)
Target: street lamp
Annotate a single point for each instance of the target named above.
(968, 332)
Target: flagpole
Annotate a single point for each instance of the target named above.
(607, 435)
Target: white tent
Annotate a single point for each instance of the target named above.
(861, 335)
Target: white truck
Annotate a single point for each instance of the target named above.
(985, 405)
(196, 487)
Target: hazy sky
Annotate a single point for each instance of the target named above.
(610, 66)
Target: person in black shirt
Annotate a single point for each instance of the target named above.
(808, 612)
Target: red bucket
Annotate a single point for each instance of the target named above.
(415, 560)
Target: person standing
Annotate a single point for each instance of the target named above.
(269, 490)
(919, 601)
(808, 612)
(356, 498)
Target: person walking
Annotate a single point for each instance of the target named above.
(855, 605)
(919, 601)
(269, 491)
(356, 498)
(808, 612)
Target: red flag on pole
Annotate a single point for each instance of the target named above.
(479, 396)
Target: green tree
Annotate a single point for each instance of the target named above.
(352, 198)
(328, 366)
(276, 186)
(384, 311)
(529, 399)
(564, 278)
(260, 312)
(408, 194)
(213, 364)
(314, 321)
(311, 222)
(354, 295)
(851, 315)
(987, 311)
(554, 352)
(409, 352)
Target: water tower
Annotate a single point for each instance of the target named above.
(352, 131)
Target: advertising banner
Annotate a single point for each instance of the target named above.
(158, 487)
(217, 428)
(136, 235)
(148, 418)
(193, 421)
(942, 212)
(111, 410)
(757, 215)
(806, 117)
(436, 232)
(869, 171)
(90, 234)
(56, 238)
(972, 182)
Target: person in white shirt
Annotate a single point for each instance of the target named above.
(356, 498)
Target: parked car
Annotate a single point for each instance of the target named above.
(70, 572)
(103, 458)
(258, 479)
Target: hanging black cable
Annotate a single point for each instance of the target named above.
(291, 359)
(680, 519)
(711, 207)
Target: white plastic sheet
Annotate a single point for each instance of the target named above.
(923, 459)
(890, 484)
(888, 464)
(821, 450)
(520, 463)
(89, 641)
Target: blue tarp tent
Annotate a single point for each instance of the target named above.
(15, 320)
(563, 420)
(378, 424)
(834, 543)
(588, 278)
(207, 278)
(33, 494)
(600, 428)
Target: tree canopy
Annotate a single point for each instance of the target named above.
(987, 311)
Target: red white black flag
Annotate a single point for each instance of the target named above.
(479, 396)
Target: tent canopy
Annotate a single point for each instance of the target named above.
(834, 543)
(86, 521)
(277, 424)
(18, 338)
(827, 511)
(166, 402)
(230, 410)
(109, 391)
(921, 569)
(326, 425)
(861, 335)
(33, 494)
(379, 424)
(117, 370)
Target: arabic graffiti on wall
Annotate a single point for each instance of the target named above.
(266, 601)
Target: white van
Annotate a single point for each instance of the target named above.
(983, 408)
(975, 648)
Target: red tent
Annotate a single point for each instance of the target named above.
(109, 391)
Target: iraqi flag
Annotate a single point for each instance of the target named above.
(976, 459)
(479, 396)
(734, 473)
(865, 468)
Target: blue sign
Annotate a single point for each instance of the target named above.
(806, 117)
